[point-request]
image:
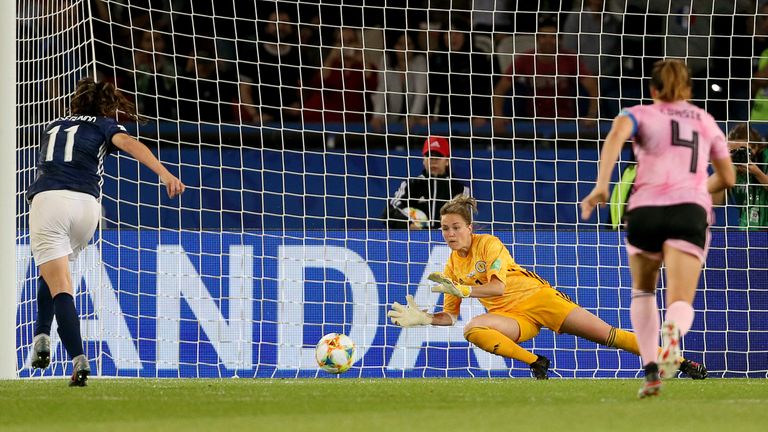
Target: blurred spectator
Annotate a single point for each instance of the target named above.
(750, 157)
(428, 35)
(688, 31)
(277, 68)
(460, 80)
(402, 94)
(212, 92)
(155, 76)
(339, 91)
(549, 78)
(52, 64)
(309, 43)
(736, 41)
(690, 35)
(493, 17)
(760, 60)
(113, 46)
(760, 25)
(429, 191)
(760, 89)
(593, 31)
(641, 46)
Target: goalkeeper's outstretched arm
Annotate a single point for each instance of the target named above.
(443, 319)
(409, 315)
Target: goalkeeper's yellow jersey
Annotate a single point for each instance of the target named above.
(489, 257)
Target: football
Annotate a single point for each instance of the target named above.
(335, 353)
(418, 217)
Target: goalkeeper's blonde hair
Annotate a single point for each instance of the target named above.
(464, 206)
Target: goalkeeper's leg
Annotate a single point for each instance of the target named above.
(582, 323)
(495, 342)
(627, 341)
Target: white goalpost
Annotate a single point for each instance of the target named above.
(8, 191)
(293, 125)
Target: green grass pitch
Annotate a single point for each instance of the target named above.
(722, 405)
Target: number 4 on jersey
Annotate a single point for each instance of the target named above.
(692, 144)
(68, 145)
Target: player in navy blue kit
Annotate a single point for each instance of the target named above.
(65, 208)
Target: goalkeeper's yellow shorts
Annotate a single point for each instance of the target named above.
(547, 308)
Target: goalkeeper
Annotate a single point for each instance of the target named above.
(519, 302)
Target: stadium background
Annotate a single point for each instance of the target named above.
(263, 187)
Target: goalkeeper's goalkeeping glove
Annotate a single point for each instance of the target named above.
(408, 316)
(445, 285)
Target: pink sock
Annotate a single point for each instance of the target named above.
(682, 314)
(645, 321)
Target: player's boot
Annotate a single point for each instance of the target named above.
(80, 372)
(652, 383)
(540, 367)
(670, 349)
(693, 369)
(41, 351)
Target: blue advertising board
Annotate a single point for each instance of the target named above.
(253, 304)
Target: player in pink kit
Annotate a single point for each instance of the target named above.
(668, 212)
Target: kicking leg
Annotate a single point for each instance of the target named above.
(56, 274)
(41, 344)
(683, 270)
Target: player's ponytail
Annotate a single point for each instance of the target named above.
(672, 80)
(462, 205)
(101, 99)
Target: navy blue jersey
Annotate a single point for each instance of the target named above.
(72, 151)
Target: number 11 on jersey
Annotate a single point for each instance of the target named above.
(68, 145)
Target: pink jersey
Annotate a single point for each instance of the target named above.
(673, 145)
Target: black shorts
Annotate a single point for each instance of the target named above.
(649, 227)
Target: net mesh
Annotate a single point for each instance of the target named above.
(294, 124)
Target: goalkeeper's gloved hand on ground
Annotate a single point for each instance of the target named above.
(445, 285)
(410, 315)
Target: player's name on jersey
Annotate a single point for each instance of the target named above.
(682, 113)
(80, 118)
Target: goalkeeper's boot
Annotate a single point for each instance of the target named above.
(670, 350)
(652, 384)
(540, 367)
(693, 369)
(41, 351)
(80, 372)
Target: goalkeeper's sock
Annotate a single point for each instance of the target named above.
(69, 324)
(495, 342)
(681, 313)
(645, 320)
(44, 308)
(627, 341)
(622, 339)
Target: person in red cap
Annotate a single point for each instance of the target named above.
(417, 202)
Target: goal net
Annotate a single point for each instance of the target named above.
(293, 125)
